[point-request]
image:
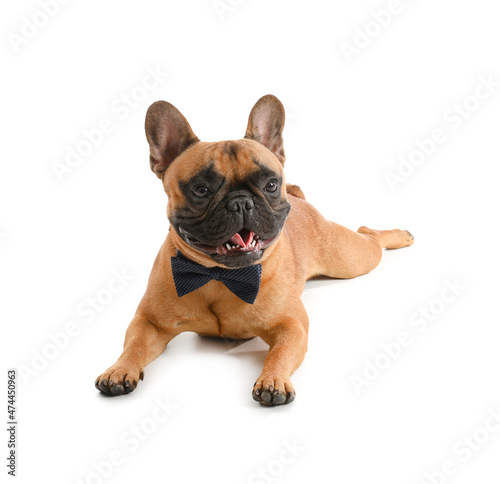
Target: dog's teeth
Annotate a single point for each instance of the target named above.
(228, 247)
(253, 243)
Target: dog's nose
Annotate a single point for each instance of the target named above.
(240, 204)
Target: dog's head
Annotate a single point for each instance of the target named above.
(227, 200)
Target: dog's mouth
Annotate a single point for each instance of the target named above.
(242, 242)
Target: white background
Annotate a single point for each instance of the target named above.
(347, 124)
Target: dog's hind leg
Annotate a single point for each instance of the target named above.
(389, 239)
(346, 254)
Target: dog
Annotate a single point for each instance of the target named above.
(241, 245)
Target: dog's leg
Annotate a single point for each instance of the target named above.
(143, 343)
(288, 346)
(347, 254)
(389, 239)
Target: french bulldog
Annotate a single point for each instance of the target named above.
(241, 245)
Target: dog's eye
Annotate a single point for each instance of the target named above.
(271, 186)
(201, 191)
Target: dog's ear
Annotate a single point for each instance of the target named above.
(168, 134)
(266, 123)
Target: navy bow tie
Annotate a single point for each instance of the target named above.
(189, 276)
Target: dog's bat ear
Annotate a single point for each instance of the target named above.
(168, 134)
(266, 123)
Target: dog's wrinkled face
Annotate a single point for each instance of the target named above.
(227, 200)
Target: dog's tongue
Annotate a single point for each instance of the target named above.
(237, 239)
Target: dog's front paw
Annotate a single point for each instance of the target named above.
(120, 379)
(273, 391)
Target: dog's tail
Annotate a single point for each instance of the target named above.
(295, 191)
